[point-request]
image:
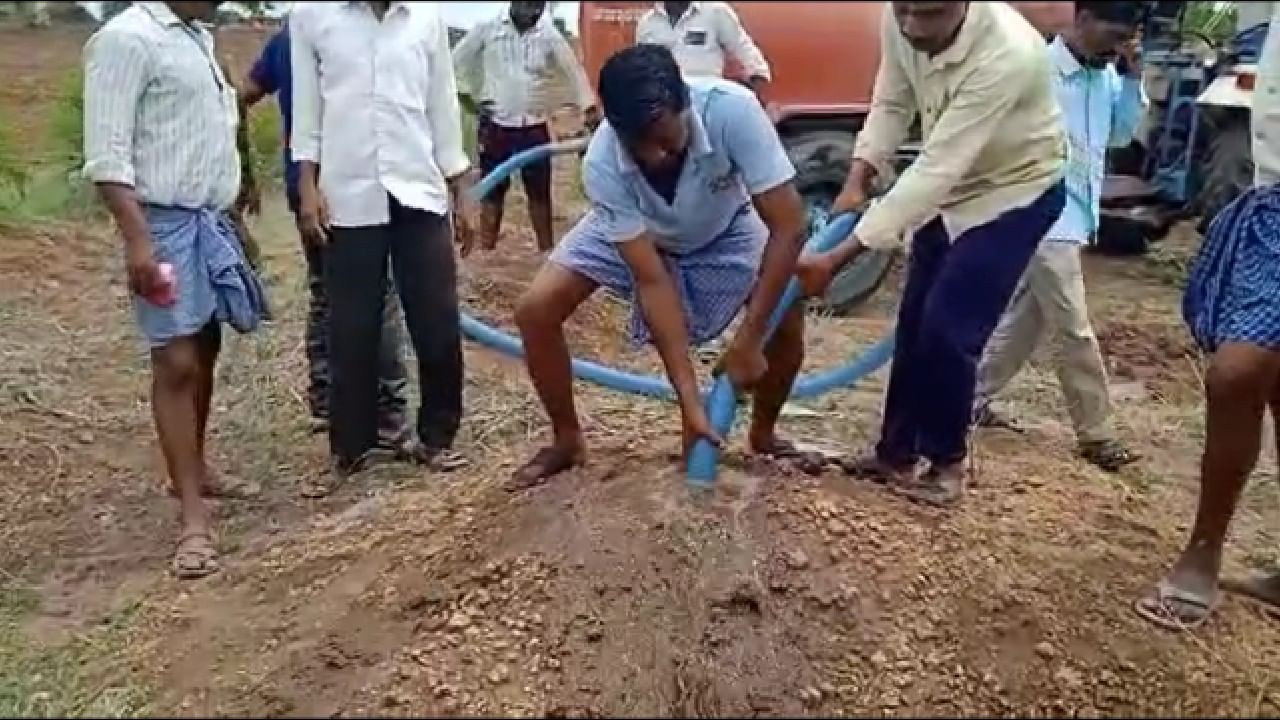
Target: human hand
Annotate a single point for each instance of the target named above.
(313, 217)
(249, 200)
(853, 197)
(1129, 58)
(591, 118)
(695, 426)
(463, 210)
(145, 278)
(815, 271)
(744, 362)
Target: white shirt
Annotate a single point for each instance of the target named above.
(375, 104)
(518, 69)
(1266, 107)
(701, 38)
(159, 116)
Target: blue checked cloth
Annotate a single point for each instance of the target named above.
(713, 281)
(212, 277)
(1233, 289)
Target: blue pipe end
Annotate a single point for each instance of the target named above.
(722, 407)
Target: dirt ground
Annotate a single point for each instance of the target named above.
(612, 591)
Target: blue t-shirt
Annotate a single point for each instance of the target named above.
(273, 74)
(734, 153)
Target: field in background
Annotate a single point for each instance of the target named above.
(610, 592)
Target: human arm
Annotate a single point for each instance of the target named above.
(444, 118)
(304, 141)
(467, 56)
(893, 111)
(767, 173)
(572, 71)
(1129, 103)
(738, 44)
(117, 70)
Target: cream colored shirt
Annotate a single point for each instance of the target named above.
(702, 38)
(1266, 107)
(993, 137)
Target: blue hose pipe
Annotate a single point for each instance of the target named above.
(722, 405)
(721, 402)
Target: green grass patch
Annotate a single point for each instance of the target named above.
(78, 678)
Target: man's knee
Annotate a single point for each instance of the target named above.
(177, 366)
(1241, 374)
(788, 339)
(535, 311)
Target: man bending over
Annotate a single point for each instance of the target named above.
(693, 215)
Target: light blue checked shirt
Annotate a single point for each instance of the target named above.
(1100, 109)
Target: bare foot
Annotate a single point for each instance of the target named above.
(546, 464)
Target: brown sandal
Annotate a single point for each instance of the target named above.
(544, 465)
(809, 462)
(195, 556)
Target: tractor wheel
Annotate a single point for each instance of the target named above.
(1227, 167)
(821, 159)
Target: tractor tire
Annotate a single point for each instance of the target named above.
(1227, 166)
(821, 159)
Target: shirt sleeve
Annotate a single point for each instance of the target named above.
(1128, 107)
(613, 205)
(307, 103)
(754, 146)
(738, 44)
(267, 69)
(467, 59)
(443, 112)
(572, 70)
(644, 29)
(117, 69)
(963, 131)
(893, 105)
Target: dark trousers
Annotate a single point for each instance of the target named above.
(392, 383)
(954, 295)
(420, 250)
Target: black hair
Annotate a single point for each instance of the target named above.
(1125, 13)
(637, 84)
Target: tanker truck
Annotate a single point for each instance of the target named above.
(824, 57)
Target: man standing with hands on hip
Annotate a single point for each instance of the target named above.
(377, 134)
(1102, 103)
(516, 56)
(986, 188)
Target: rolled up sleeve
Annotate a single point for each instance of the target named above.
(962, 132)
(117, 68)
(755, 148)
(613, 206)
(893, 106)
(739, 45)
(1127, 110)
(304, 142)
(443, 110)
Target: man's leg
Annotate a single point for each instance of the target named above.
(1264, 588)
(355, 268)
(1081, 371)
(426, 277)
(491, 147)
(317, 338)
(895, 455)
(175, 404)
(393, 381)
(555, 294)
(208, 344)
(537, 188)
(785, 355)
(972, 291)
(1010, 347)
(1241, 381)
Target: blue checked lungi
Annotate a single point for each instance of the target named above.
(713, 281)
(212, 277)
(1233, 288)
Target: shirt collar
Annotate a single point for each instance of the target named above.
(1063, 58)
(394, 6)
(699, 144)
(959, 49)
(161, 13)
(662, 9)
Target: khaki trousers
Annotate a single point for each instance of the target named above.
(1050, 300)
